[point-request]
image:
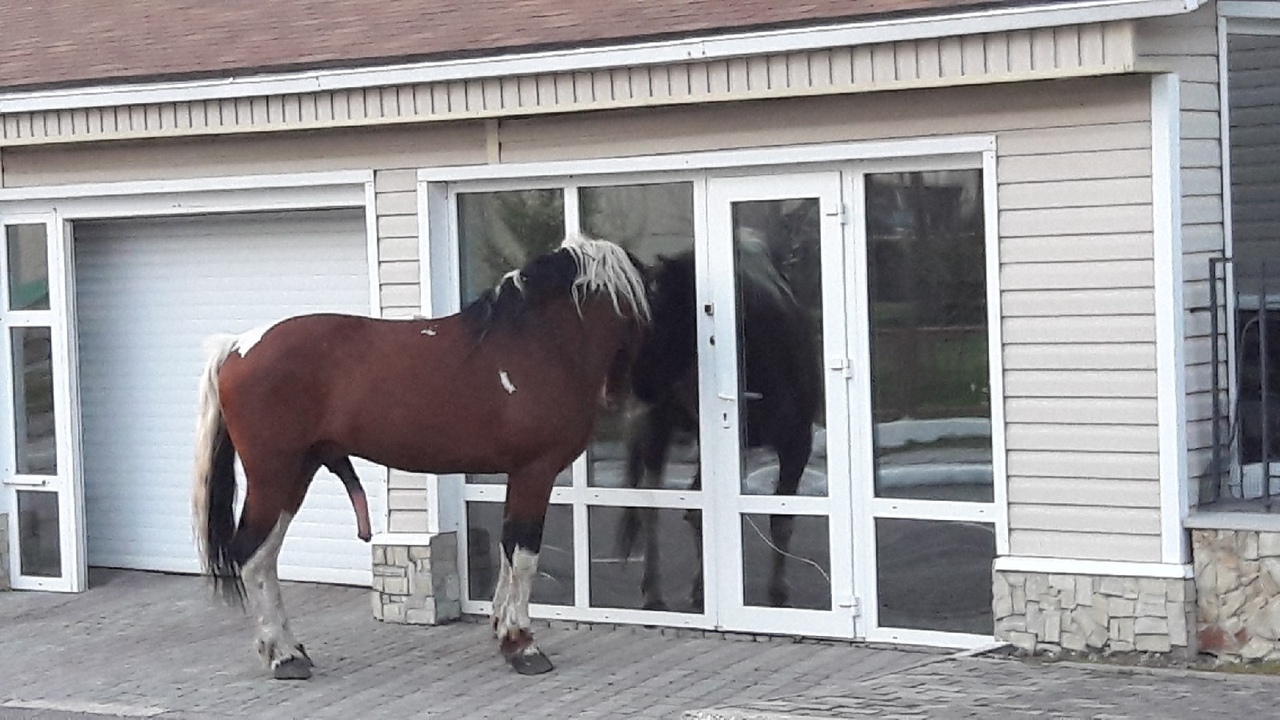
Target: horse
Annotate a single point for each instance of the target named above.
(782, 392)
(510, 384)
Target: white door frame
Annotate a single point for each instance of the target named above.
(66, 482)
(59, 206)
(721, 412)
(437, 188)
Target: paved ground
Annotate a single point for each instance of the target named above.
(148, 645)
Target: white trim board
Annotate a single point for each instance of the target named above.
(937, 147)
(1166, 187)
(249, 193)
(707, 47)
(1109, 568)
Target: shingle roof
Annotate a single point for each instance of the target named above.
(81, 42)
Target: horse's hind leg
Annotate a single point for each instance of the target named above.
(359, 503)
(646, 460)
(791, 462)
(264, 521)
(528, 492)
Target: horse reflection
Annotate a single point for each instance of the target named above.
(781, 390)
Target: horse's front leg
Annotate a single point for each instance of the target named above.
(528, 492)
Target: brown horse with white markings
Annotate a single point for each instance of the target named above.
(511, 384)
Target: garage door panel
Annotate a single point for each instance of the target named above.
(149, 292)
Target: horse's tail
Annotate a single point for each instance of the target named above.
(214, 494)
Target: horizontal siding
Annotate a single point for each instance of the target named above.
(1188, 45)
(1094, 545)
(1069, 51)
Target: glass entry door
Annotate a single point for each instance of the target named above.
(37, 467)
(781, 492)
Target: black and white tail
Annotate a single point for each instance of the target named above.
(213, 497)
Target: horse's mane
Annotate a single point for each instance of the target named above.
(580, 267)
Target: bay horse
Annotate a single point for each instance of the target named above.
(511, 384)
(781, 381)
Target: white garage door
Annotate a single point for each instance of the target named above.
(148, 292)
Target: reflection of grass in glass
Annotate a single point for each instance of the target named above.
(930, 372)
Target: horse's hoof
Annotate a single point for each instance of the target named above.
(295, 668)
(532, 662)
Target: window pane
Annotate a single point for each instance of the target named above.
(501, 231)
(554, 584)
(28, 267)
(930, 377)
(39, 547)
(935, 575)
(651, 221)
(497, 233)
(673, 560)
(33, 401)
(805, 580)
(778, 279)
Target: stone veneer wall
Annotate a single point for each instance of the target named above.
(417, 584)
(1044, 613)
(1238, 583)
(4, 551)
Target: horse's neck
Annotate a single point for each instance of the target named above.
(591, 338)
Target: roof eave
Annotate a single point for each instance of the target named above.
(708, 47)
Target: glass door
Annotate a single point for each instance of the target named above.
(924, 304)
(38, 473)
(780, 491)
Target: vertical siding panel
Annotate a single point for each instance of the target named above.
(1020, 52)
(929, 59)
(1066, 43)
(758, 73)
(739, 75)
(973, 55)
(884, 64)
(864, 72)
(906, 60)
(718, 76)
(1092, 51)
(952, 58)
(1042, 49)
(997, 53)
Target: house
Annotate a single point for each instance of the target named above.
(999, 216)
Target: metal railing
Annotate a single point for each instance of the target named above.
(1244, 311)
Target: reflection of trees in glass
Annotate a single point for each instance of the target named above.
(927, 275)
(648, 220)
(501, 231)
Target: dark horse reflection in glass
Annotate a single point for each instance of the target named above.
(780, 388)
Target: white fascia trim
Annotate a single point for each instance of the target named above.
(1251, 10)
(629, 55)
(405, 539)
(194, 185)
(1109, 568)
(717, 159)
(1170, 314)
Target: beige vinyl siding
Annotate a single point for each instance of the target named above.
(1073, 172)
(1068, 51)
(1188, 45)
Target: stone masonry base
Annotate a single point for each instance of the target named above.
(4, 551)
(1238, 579)
(1047, 613)
(417, 583)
